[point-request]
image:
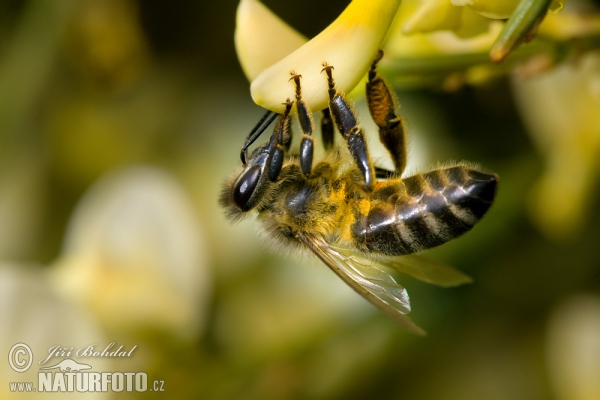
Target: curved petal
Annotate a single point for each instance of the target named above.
(262, 38)
(350, 44)
(433, 15)
(494, 9)
(556, 6)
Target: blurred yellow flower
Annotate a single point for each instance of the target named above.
(560, 109)
(432, 15)
(133, 255)
(430, 41)
(439, 15)
(349, 44)
(570, 24)
(495, 9)
(106, 44)
(436, 43)
(573, 348)
(34, 314)
(501, 9)
(414, 34)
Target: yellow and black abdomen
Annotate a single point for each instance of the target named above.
(423, 211)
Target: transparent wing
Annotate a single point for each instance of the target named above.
(369, 281)
(428, 270)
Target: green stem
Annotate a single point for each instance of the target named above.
(519, 27)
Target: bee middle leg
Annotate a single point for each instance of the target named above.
(345, 119)
(307, 126)
(382, 106)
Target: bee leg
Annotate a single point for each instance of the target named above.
(279, 142)
(306, 124)
(382, 106)
(284, 132)
(327, 129)
(262, 125)
(344, 118)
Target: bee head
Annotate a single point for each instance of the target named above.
(247, 189)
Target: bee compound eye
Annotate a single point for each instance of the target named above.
(245, 186)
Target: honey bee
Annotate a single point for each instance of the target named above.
(355, 217)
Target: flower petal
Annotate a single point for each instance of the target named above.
(349, 44)
(133, 255)
(494, 9)
(556, 6)
(560, 109)
(433, 15)
(573, 347)
(262, 38)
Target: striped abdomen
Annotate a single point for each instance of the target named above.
(424, 211)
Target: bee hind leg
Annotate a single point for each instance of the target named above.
(382, 106)
(345, 120)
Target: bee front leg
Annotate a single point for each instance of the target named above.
(382, 106)
(279, 142)
(307, 126)
(345, 119)
(262, 125)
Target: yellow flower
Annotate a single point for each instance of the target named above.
(133, 255)
(560, 108)
(349, 44)
(33, 314)
(413, 36)
(468, 28)
(430, 15)
(501, 9)
(573, 348)
(262, 38)
(439, 15)
(494, 9)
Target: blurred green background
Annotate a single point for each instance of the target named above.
(119, 121)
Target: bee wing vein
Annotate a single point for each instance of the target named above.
(372, 283)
